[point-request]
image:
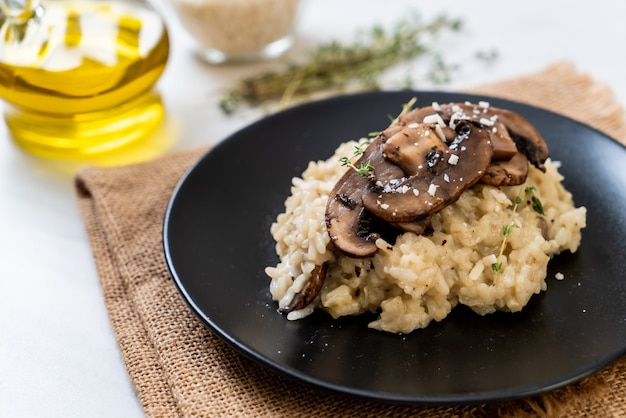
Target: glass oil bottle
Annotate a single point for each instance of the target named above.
(77, 76)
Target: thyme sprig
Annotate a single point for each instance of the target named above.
(360, 148)
(333, 67)
(534, 200)
(365, 167)
(406, 107)
(537, 206)
(362, 169)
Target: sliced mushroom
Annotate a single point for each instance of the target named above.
(347, 221)
(418, 226)
(452, 113)
(509, 131)
(507, 173)
(527, 139)
(407, 147)
(421, 165)
(504, 147)
(310, 290)
(449, 173)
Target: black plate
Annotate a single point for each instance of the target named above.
(217, 243)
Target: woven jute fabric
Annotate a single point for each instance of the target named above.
(179, 368)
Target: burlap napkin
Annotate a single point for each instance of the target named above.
(179, 368)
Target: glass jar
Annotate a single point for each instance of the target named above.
(229, 31)
(78, 75)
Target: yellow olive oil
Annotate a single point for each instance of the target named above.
(78, 76)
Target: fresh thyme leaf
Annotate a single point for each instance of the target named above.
(363, 169)
(360, 149)
(536, 205)
(508, 229)
(335, 67)
(405, 108)
(534, 200)
(345, 162)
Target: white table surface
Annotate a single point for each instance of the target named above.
(58, 355)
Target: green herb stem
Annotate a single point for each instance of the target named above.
(537, 206)
(333, 67)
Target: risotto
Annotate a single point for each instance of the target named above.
(487, 249)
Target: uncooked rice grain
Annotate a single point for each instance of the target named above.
(237, 27)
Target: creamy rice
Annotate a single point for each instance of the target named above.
(420, 278)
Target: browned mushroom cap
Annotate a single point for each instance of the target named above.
(527, 139)
(346, 219)
(348, 223)
(451, 114)
(448, 174)
(310, 290)
(509, 131)
(506, 128)
(524, 135)
(507, 173)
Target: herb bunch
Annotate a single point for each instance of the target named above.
(335, 67)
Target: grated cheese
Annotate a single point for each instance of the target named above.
(440, 133)
(434, 119)
(486, 122)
